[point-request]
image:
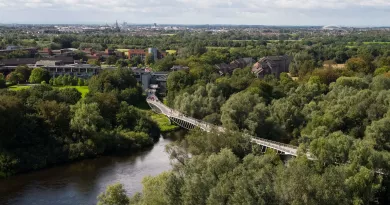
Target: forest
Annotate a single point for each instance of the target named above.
(334, 103)
(44, 125)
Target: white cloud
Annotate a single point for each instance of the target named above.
(197, 4)
(202, 11)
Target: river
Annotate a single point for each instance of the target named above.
(81, 182)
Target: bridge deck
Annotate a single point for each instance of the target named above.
(173, 114)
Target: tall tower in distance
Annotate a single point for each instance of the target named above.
(117, 29)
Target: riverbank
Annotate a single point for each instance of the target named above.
(163, 123)
(81, 182)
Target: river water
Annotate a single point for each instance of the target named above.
(81, 182)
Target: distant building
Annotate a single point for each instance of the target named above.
(46, 63)
(153, 51)
(109, 52)
(151, 80)
(46, 52)
(10, 49)
(79, 70)
(179, 67)
(224, 68)
(137, 52)
(274, 65)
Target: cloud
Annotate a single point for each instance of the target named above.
(203, 11)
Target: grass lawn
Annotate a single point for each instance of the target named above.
(163, 122)
(368, 43)
(18, 87)
(84, 90)
(172, 52)
(214, 47)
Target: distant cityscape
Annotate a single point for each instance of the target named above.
(150, 29)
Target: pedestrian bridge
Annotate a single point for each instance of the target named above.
(190, 123)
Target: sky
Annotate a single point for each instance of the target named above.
(248, 12)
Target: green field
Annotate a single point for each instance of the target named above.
(275, 41)
(354, 44)
(163, 122)
(368, 43)
(214, 47)
(18, 87)
(172, 52)
(168, 34)
(82, 89)
(123, 50)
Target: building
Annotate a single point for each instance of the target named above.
(10, 49)
(151, 80)
(46, 52)
(241, 63)
(274, 65)
(153, 51)
(79, 70)
(158, 82)
(179, 67)
(137, 52)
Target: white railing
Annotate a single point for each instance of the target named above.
(154, 102)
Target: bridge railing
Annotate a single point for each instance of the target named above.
(287, 148)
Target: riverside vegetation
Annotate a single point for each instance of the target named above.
(334, 102)
(341, 114)
(42, 126)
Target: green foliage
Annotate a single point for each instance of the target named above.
(43, 126)
(164, 64)
(382, 70)
(111, 60)
(303, 63)
(163, 123)
(94, 62)
(67, 80)
(149, 59)
(114, 195)
(14, 78)
(87, 118)
(38, 75)
(353, 82)
(205, 101)
(358, 65)
(24, 72)
(2, 81)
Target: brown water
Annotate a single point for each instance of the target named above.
(82, 182)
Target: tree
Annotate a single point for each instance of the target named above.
(56, 115)
(111, 60)
(38, 75)
(149, 60)
(114, 195)
(118, 79)
(2, 81)
(24, 71)
(302, 63)
(80, 82)
(94, 62)
(164, 64)
(120, 63)
(14, 77)
(86, 117)
(380, 82)
(358, 65)
(69, 95)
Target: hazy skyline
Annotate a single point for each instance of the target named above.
(254, 12)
